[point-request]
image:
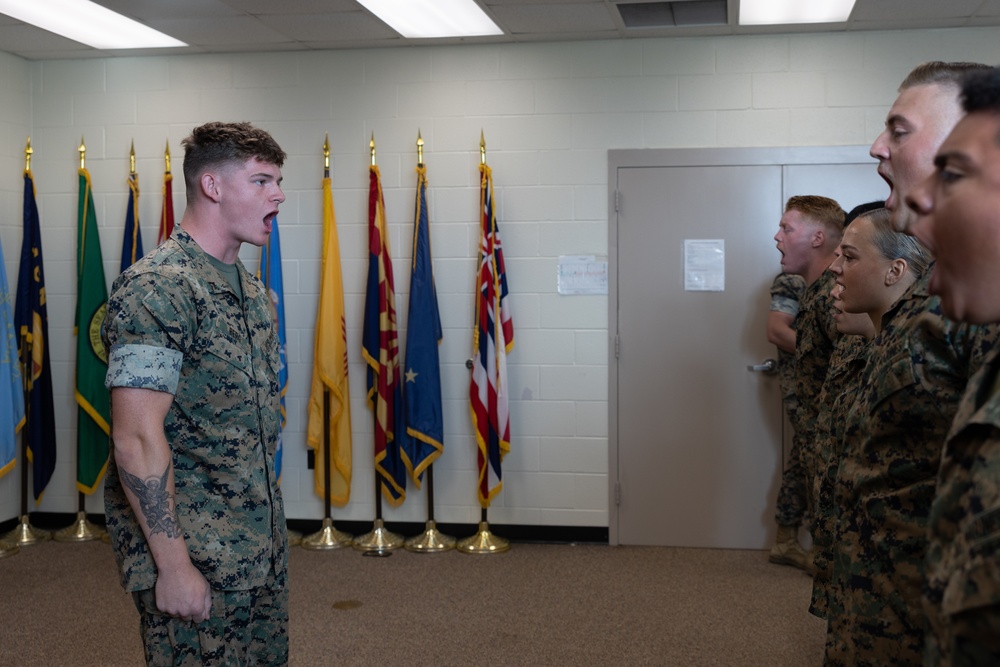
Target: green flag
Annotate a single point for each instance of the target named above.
(94, 413)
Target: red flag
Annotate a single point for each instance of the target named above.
(492, 339)
(381, 351)
(167, 214)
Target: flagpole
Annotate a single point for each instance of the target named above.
(327, 537)
(380, 541)
(431, 540)
(24, 534)
(483, 542)
(82, 530)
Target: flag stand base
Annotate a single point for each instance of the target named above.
(483, 542)
(327, 538)
(378, 540)
(81, 530)
(294, 538)
(8, 549)
(26, 534)
(430, 541)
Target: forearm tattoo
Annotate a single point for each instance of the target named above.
(154, 502)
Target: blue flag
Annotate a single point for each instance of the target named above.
(132, 243)
(32, 323)
(11, 389)
(422, 377)
(270, 275)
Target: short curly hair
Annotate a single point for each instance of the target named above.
(217, 143)
(821, 210)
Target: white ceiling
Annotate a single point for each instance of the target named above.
(213, 26)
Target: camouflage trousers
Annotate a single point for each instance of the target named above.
(246, 628)
(792, 503)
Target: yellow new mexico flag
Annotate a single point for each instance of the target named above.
(330, 368)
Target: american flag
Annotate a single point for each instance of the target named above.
(492, 339)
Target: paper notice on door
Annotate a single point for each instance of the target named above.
(704, 265)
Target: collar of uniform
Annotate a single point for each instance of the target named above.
(919, 290)
(251, 285)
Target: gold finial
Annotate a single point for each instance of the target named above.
(420, 148)
(371, 147)
(166, 155)
(27, 155)
(326, 154)
(83, 154)
(131, 159)
(482, 147)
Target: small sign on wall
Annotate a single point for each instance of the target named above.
(704, 265)
(582, 274)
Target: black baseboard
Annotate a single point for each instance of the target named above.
(515, 533)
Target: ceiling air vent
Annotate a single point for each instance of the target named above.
(669, 14)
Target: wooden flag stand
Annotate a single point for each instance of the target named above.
(431, 540)
(25, 534)
(328, 537)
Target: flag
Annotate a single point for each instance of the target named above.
(94, 410)
(492, 339)
(381, 350)
(167, 213)
(11, 388)
(422, 385)
(330, 369)
(31, 320)
(270, 274)
(132, 242)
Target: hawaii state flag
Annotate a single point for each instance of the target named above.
(381, 351)
(270, 275)
(492, 339)
(422, 378)
(31, 320)
(132, 243)
(92, 397)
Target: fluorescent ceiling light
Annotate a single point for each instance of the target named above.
(88, 23)
(772, 12)
(433, 18)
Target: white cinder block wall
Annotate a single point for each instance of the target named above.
(549, 112)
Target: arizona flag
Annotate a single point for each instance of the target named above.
(422, 378)
(132, 243)
(11, 388)
(31, 320)
(381, 350)
(92, 398)
(492, 339)
(330, 369)
(167, 213)
(270, 275)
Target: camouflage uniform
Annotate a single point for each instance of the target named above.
(962, 593)
(815, 335)
(786, 292)
(174, 324)
(909, 392)
(837, 397)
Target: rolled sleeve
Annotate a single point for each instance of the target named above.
(144, 367)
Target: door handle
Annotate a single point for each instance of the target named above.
(769, 366)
